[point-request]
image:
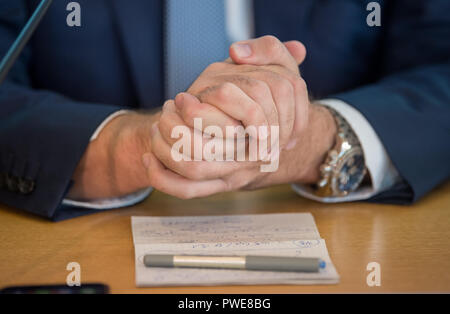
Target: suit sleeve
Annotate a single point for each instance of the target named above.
(43, 135)
(409, 107)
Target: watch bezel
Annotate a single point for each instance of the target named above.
(337, 169)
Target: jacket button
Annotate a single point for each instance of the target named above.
(26, 186)
(12, 182)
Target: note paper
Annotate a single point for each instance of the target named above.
(271, 234)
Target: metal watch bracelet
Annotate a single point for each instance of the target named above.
(344, 167)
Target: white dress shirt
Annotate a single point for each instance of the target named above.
(383, 175)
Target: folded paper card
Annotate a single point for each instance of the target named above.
(271, 234)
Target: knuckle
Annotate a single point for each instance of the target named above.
(271, 40)
(189, 113)
(283, 86)
(300, 85)
(215, 66)
(164, 124)
(165, 119)
(252, 113)
(274, 47)
(224, 91)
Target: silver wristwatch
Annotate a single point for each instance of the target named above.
(344, 168)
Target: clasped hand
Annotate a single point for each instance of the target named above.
(258, 86)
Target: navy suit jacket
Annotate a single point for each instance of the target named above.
(69, 79)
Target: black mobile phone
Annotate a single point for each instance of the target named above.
(93, 288)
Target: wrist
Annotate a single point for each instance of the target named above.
(317, 140)
(111, 165)
(128, 140)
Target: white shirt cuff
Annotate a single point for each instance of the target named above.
(110, 203)
(380, 168)
(106, 121)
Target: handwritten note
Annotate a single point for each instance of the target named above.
(273, 234)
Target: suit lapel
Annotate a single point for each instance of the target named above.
(139, 26)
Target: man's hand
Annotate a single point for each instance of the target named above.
(268, 93)
(130, 154)
(112, 164)
(226, 94)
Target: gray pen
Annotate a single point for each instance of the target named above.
(266, 263)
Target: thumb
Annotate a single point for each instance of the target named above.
(297, 50)
(268, 50)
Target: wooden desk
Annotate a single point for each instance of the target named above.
(412, 244)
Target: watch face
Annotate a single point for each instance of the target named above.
(350, 172)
